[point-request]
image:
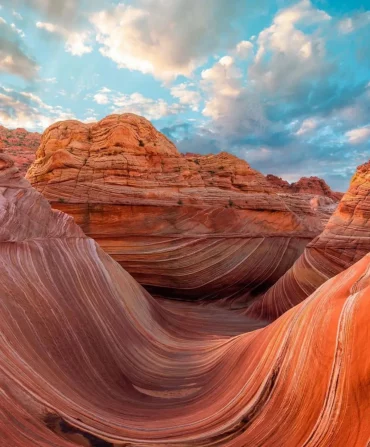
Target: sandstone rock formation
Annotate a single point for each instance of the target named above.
(20, 145)
(344, 241)
(87, 357)
(305, 185)
(187, 227)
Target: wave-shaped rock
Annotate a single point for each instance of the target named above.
(87, 357)
(345, 240)
(187, 227)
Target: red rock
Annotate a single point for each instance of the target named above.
(278, 182)
(87, 353)
(20, 145)
(344, 241)
(306, 185)
(195, 227)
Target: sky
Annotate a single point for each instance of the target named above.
(283, 84)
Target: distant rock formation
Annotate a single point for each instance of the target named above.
(186, 227)
(305, 185)
(20, 145)
(344, 241)
(88, 357)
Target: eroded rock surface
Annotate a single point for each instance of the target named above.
(20, 145)
(88, 357)
(187, 227)
(344, 241)
(305, 185)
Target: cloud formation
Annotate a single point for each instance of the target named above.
(293, 99)
(187, 95)
(287, 57)
(166, 39)
(66, 12)
(76, 42)
(26, 109)
(152, 109)
(358, 136)
(13, 55)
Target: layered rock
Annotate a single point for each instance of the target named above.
(20, 145)
(89, 358)
(345, 240)
(305, 185)
(187, 227)
(278, 182)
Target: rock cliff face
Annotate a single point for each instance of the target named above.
(89, 358)
(20, 145)
(305, 185)
(187, 227)
(345, 240)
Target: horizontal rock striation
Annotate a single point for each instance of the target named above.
(187, 227)
(344, 241)
(87, 357)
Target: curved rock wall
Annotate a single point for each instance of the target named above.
(344, 241)
(186, 227)
(87, 357)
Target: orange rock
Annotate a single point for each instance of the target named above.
(189, 227)
(87, 356)
(345, 240)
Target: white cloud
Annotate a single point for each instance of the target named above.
(17, 15)
(303, 11)
(61, 11)
(152, 109)
(49, 27)
(307, 126)
(346, 26)
(351, 24)
(17, 30)
(235, 110)
(186, 94)
(76, 42)
(165, 38)
(260, 154)
(101, 98)
(13, 56)
(90, 116)
(28, 110)
(223, 79)
(358, 136)
(286, 56)
(244, 49)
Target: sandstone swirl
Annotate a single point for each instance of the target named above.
(345, 240)
(186, 227)
(87, 357)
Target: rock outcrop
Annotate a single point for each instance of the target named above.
(305, 185)
(344, 241)
(20, 145)
(88, 357)
(186, 227)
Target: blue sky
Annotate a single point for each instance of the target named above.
(282, 84)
